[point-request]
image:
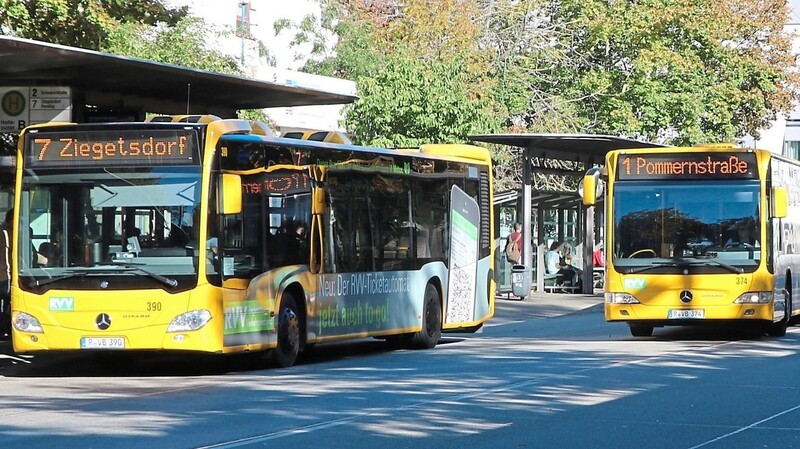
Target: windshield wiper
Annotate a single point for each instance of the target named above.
(652, 266)
(169, 282)
(731, 268)
(69, 275)
(686, 263)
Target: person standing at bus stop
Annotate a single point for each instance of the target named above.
(514, 245)
(5, 275)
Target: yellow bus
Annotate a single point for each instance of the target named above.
(7, 182)
(705, 234)
(319, 136)
(211, 237)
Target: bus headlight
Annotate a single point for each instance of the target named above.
(25, 322)
(620, 298)
(754, 298)
(189, 321)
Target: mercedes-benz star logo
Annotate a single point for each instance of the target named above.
(103, 321)
(686, 296)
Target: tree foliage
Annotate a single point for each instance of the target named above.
(422, 78)
(140, 29)
(184, 44)
(407, 102)
(673, 71)
(80, 23)
(676, 71)
(189, 43)
(529, 57)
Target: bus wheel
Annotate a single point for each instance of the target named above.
(285, 354)
(431, 330)
(640, 330)
(779, 329)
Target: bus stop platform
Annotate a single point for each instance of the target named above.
(547, 305)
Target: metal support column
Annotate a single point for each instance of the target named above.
(527, 230)
(588, 250)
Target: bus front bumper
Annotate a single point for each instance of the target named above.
(149, 338)
(681, 314)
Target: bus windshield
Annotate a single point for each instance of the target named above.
(680, 226)
(132, 221)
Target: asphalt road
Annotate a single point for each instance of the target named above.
(546, 373)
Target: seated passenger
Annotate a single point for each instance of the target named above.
(555, 263)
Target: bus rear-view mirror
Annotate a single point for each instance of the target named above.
(231, 194)
(780, 202)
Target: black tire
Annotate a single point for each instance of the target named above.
(793, 320)
(5, 327)
(289, 326)
(779, 329)
(431, 331)
(641, 330)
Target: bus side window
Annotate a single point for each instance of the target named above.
(422, 237)
(233, 233)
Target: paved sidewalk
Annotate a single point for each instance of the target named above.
(546, 305)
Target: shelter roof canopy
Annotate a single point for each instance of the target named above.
(588, 148)
(109, 80)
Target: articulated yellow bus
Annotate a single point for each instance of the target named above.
(706, 234)
(213, 237)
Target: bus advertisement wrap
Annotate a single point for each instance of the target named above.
(465, 218)
(271, 244)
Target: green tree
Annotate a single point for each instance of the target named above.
(678, 71)
(526, 53)
(407, 102)
(80, 23)
(675, 71)
(527, 56)
(187, 44)
(422, 78)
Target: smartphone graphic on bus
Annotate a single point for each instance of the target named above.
(462, 282)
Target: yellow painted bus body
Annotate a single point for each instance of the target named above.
(645, 294)
(238, 314)
(660, 294)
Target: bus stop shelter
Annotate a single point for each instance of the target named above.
(550, 209)
(107, 87)
(586, 150)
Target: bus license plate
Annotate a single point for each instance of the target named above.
(687, 314)
(102, 343)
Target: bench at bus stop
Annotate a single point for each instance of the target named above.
(554, 284)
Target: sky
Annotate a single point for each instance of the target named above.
(795, 15)
(223, 13)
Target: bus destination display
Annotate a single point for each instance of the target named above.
(687, 166)
(119, 147)
(282, 183)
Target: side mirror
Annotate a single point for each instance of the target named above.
(780, 202)
(590, 188)
(231, 194)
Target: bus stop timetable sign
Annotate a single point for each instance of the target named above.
(23, 106)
